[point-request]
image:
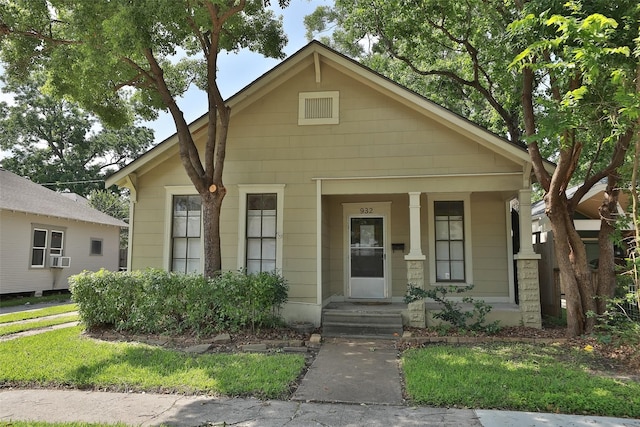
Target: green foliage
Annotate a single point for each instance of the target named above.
(452, 311)
(620, 323)
(51, 140)
(155, 301)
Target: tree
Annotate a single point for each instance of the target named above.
(558, 104)
(53, 141)
(138, 57)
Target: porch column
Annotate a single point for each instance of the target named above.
(415, 261)
(527, 262)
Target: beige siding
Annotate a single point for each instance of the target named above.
(490, 257)
(376, 137)
(16, 274)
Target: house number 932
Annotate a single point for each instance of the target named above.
(366, 210)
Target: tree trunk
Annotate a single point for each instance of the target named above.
(211, 207)
(575, 273)
(606, 264)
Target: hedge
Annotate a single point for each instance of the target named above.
(155, 301)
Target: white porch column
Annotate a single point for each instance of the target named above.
(526, 245)
(527, 262)
(415, 242)
(415, 261)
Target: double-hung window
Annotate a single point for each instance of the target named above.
(185, 234)
(260, 227)
(39, 247)
(261, 232)
(45, 242)
(449, 241)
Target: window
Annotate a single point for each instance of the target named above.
(96, 247)
(319, 108)
(261, 232)
(260, 227)
(57, 238)
(39, 248)
(45, 242)
(185, 235)
(450, 242)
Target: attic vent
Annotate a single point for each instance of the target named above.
(318, 108)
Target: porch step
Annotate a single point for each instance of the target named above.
(361, 324)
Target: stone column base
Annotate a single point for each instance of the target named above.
(529, 291)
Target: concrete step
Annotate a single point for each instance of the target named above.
(365, 324)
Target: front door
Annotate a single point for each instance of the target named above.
(367, 257)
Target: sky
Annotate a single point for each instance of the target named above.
(236, 70)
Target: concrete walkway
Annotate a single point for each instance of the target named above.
(355, 371)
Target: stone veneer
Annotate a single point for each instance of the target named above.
(416, 310)
(529, 291)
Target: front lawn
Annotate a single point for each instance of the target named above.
(13, 328)
(516, 376)
(65, 358)
(40, 312)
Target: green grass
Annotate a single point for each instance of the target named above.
(22, 327)
(65, 358)
(12, 302)
(521, 377)
(41, 312)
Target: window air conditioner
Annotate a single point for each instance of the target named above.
(60, 262)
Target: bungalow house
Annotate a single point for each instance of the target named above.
(46, 237)
(352, 187)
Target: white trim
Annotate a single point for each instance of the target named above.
(243, 190)
(386, 177)
(170, 191)
(132, 210)
(468, 247)
(319, 242)
(334, 95)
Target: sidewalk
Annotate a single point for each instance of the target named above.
(191, 411)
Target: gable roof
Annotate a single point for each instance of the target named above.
(21, 195)
(320, 55)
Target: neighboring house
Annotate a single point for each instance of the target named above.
(351, 186)
(45, 237)
(587, 222)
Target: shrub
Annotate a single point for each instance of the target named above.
(452, 312)
(155, 301)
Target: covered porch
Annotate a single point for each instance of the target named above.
(375, 237)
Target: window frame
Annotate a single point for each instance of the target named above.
(40, 248)
(96, 239)
(170, 192)
(243, 191)
(47, 250)
(467, 245)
